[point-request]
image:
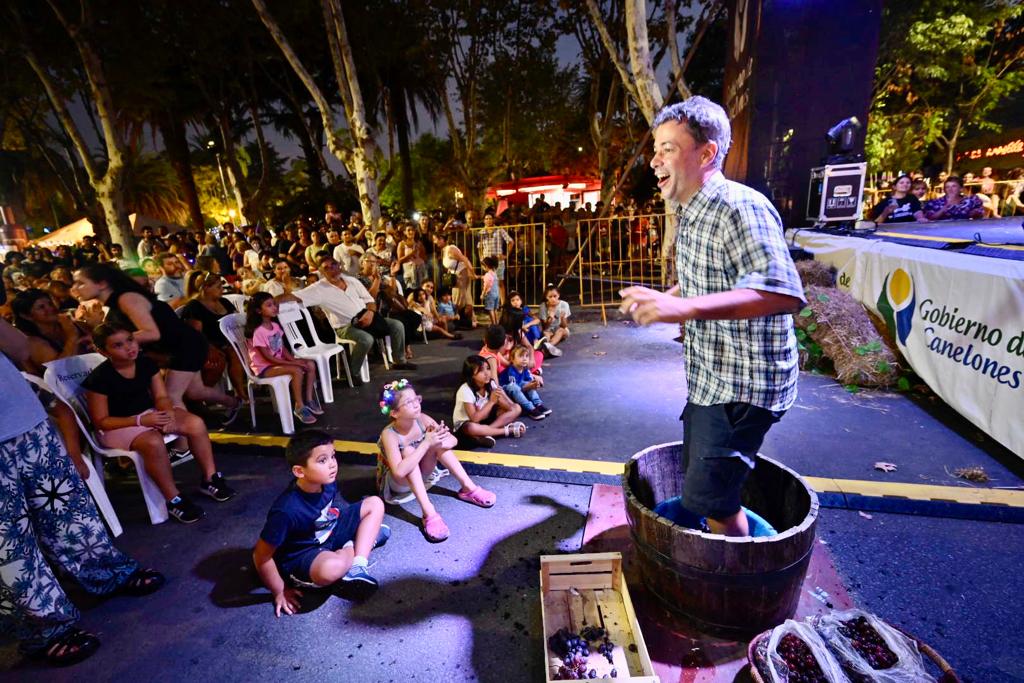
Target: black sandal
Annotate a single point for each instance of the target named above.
(70, 648)
(142, 582)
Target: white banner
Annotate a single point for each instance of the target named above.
(958, 319)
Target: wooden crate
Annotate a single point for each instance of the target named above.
(600, 595)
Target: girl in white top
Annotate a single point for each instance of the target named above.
(482, 409)
(411, 447)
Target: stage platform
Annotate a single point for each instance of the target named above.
(992, 237)
(955, 313)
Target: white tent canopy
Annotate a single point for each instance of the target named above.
(74, 232)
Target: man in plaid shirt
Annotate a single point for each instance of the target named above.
(492, 242)
(737, 291)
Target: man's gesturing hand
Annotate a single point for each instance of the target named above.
(648, 306)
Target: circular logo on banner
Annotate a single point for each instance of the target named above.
(896, 303)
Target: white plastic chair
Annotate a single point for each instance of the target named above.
(238, 301)
(321, 353)
(94, 481)
(233, 327)
(64, 378)
(342, 358)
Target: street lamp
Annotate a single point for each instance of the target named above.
(223, 184)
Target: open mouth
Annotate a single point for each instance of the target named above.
(662, 180)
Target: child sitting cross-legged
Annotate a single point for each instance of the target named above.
(128, 403)
(312, 537)
(521, 386)
(410, 449)
(482, 409)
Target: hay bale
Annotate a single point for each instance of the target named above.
(816, 273)
(842, 328)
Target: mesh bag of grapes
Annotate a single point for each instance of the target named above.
(797, 654)
(871, 650)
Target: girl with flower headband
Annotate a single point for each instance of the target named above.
(410, 449)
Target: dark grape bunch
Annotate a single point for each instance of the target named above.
(573, 649)
(803, 667)
(868, 643)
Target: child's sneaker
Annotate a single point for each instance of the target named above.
(536, 414)
(305, 415)
(435, 476)
(315, 407)
(382, 536)
(184, 510)
(179, 457)
(359, 574)
(552, 349)
(540, 342)
(545, 409)
(217, 488)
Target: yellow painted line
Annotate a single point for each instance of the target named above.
(876, 489)
(926, 238)
(1008, 247)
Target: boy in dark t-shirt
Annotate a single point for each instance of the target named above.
(312, 536)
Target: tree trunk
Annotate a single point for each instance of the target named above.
(401, 112)
(231, 166)
(172, 129)
(951, 144)
(110, 196)
(365, 150)
(650, 99)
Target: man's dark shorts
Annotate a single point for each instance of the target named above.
(345, 531)
(718, 442)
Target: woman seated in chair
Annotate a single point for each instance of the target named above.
(206, 306)
(52, 335)
(161, 333)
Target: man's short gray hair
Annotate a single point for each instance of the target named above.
(705, 120)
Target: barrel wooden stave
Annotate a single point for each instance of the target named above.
(725, 586)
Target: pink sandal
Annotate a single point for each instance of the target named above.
(478, 496)
(434, 528)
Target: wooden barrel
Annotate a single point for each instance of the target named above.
(726, 586)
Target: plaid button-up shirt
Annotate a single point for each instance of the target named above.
(492, 242)
(731, 237)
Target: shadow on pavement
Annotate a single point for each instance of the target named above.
(475, 599)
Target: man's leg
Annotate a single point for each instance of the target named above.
(720, 444)
(397, 333)
(364, 342)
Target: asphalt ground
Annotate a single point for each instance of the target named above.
(467, 609)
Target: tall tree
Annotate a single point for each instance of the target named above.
(107, 175)
(944, 66)
(358, 151)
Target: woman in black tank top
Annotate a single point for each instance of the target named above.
(175, 344)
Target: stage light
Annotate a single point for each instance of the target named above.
(840, 136)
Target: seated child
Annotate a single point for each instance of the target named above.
(445, 307)
(531, 325)
(312, 536)
(420, 303)
(554, 315)
(521, 386)
(269, 355)
(410, 449)
(482, 410)
(512, 320)
(128, 404)
(490, 292)
(497, 345)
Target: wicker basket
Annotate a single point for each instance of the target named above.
(947, 676)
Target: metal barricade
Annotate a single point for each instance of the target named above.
(524, 261)
(617, 252)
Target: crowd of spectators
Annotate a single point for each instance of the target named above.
(950, 197)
